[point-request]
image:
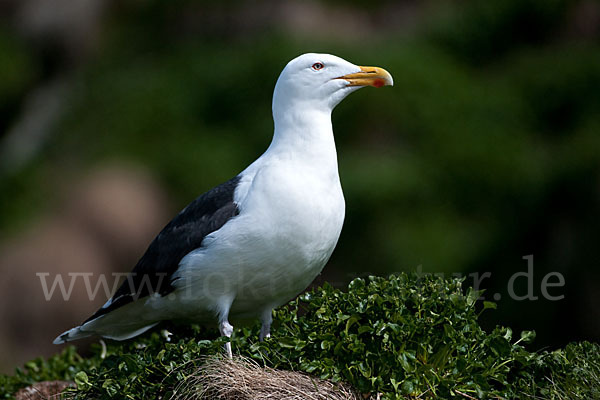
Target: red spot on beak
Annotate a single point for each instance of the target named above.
(378, 83)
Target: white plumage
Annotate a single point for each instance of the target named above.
(266, 233)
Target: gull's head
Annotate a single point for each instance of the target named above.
(321, 81)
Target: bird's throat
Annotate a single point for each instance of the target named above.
(304, 135)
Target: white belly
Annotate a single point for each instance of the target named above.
(287, 229)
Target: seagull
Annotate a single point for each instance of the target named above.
(256, 241)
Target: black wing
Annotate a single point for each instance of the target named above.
(183, 234)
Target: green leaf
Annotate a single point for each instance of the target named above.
(527, 336)
(82, 380)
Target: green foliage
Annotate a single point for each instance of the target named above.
(64, 366)
(403, 336)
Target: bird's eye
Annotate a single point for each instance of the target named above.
(317, 66)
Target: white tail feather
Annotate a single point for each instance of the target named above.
(71, 334)
(77, 333)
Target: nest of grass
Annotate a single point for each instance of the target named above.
(243, 379)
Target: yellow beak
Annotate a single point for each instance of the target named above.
(369, 76)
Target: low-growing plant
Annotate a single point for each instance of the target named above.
(405, 336)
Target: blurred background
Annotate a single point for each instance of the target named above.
(114, 115)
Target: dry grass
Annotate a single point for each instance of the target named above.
(43, 390)
(244, 379)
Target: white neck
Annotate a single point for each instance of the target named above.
(304, 135)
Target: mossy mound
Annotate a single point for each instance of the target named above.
(401, 337)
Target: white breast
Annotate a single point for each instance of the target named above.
(289, 223)
(296, 204)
